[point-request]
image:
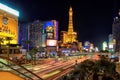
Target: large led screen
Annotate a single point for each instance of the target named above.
(50, 35)
(51, 42)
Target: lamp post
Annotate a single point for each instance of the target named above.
(8, 48)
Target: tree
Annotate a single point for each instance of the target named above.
(1, 41)
(88, 67)
(104, 51)
(26, 42)
(104, 67)
(9, 39)
(33, 54)
(84, 70)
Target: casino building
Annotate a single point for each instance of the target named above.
(116, 32)
(8, 24)
(9, 31)
(68, 37)
(41, 34)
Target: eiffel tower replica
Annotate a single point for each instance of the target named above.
(70, 36)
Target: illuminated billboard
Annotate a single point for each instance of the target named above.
(51, 42)
(55, 29)
(50, 36)
(87, 44)
(111, 46)
(51, 29)
(48, 23)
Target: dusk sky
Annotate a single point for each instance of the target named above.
(92, 19)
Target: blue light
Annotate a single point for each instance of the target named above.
(8, 9)
(50, 23)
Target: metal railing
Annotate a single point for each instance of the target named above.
(10, 65)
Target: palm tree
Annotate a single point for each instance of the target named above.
(26, 42)
(33, 54)
(9, 39)
(1, 41)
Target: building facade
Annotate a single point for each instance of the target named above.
(51, 32)
(116, 32)
(8, 24)
(9, 31)
(37, 33)
(111, 43)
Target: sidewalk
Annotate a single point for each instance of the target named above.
(4, 75)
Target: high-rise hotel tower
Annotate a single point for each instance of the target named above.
(116, 32)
